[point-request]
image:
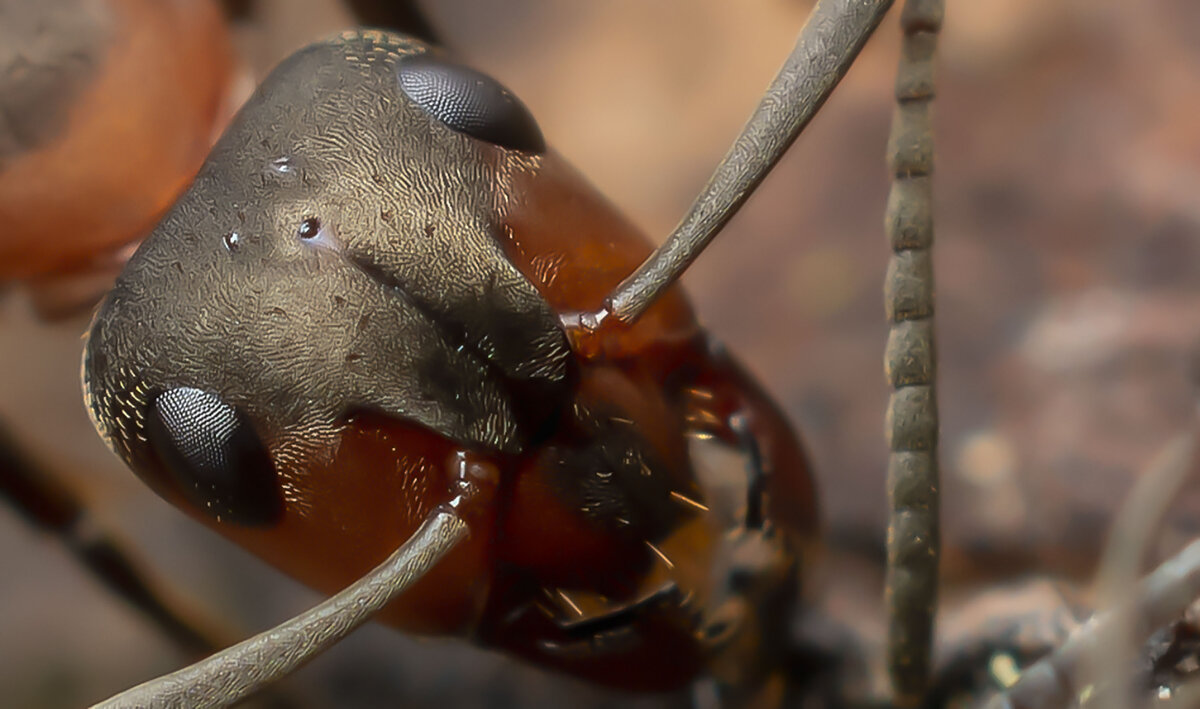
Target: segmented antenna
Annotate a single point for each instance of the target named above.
(910, 362)
(830, 40)
(237, 672)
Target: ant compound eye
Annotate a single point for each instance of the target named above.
(309, 228)
(211, 450)
(470, 102)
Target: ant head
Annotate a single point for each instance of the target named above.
(337, 252)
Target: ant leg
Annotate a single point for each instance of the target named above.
(49, 506)
(913, 540)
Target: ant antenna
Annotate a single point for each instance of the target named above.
(237, 672)
(910, 363)
(830, 40)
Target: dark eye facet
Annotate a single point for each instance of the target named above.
(211, 451)
(470, 102)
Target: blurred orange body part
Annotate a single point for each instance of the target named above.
(127, 136)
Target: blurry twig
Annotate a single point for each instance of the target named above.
(1138, 522)
(50, 506)
(1160, 598)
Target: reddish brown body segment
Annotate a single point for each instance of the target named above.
(125, 142)
(539, 557)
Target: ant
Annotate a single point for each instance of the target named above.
(903, 674)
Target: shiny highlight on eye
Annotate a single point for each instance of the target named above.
(310, 228)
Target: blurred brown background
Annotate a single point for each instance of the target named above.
(1068, 188)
